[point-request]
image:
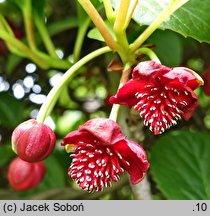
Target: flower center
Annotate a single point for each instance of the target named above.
(161, 107)
(94, 166)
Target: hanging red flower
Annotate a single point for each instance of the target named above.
(33, 141)
(102, 153)
(161, 94)
(25, 176)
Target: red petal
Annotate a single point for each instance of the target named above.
(75, 137)
(126, 95)
(149, 70)
(101, 131)
(105, 130)
(186, 76)
(133, 159)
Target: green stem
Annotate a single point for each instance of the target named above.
(99, 23)
(27, 11)
(119, 24)
(39, 58)
(130, 12)
(45, 36)
(110, 14)
(149, 53)
(5, 26)
(114, 112)
(124, 78)
(52, 97)
(170, 9)
(119, 28)
(123, 48)
(23, 49)
(80, 38)
(59, 63)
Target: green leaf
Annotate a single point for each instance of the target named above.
(55, 176)
(11, 110)
(191, 20)
(168, 47)
(95, 34)
(180, 165)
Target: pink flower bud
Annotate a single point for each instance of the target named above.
(33, 141)
(25, 176)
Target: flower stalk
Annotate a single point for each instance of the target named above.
(124, 78)
(119, 24)
(110, 14)
(130, 12)
(99, 23)
(52, 97)
(149, 53)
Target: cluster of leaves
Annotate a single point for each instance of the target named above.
(179, 159)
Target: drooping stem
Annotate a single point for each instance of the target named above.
(149, 53)
(124, 78)
(166, 13)
(99, 23)
(114, 112)
(52, 97)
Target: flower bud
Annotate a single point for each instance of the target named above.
(23, 175)
(33, 141)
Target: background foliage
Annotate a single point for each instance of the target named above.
(180, 166)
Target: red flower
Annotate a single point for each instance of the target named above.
(102, 153)
(24, 176)
(161, 94)
(33, 141)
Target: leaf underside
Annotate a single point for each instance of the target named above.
(191, 20)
